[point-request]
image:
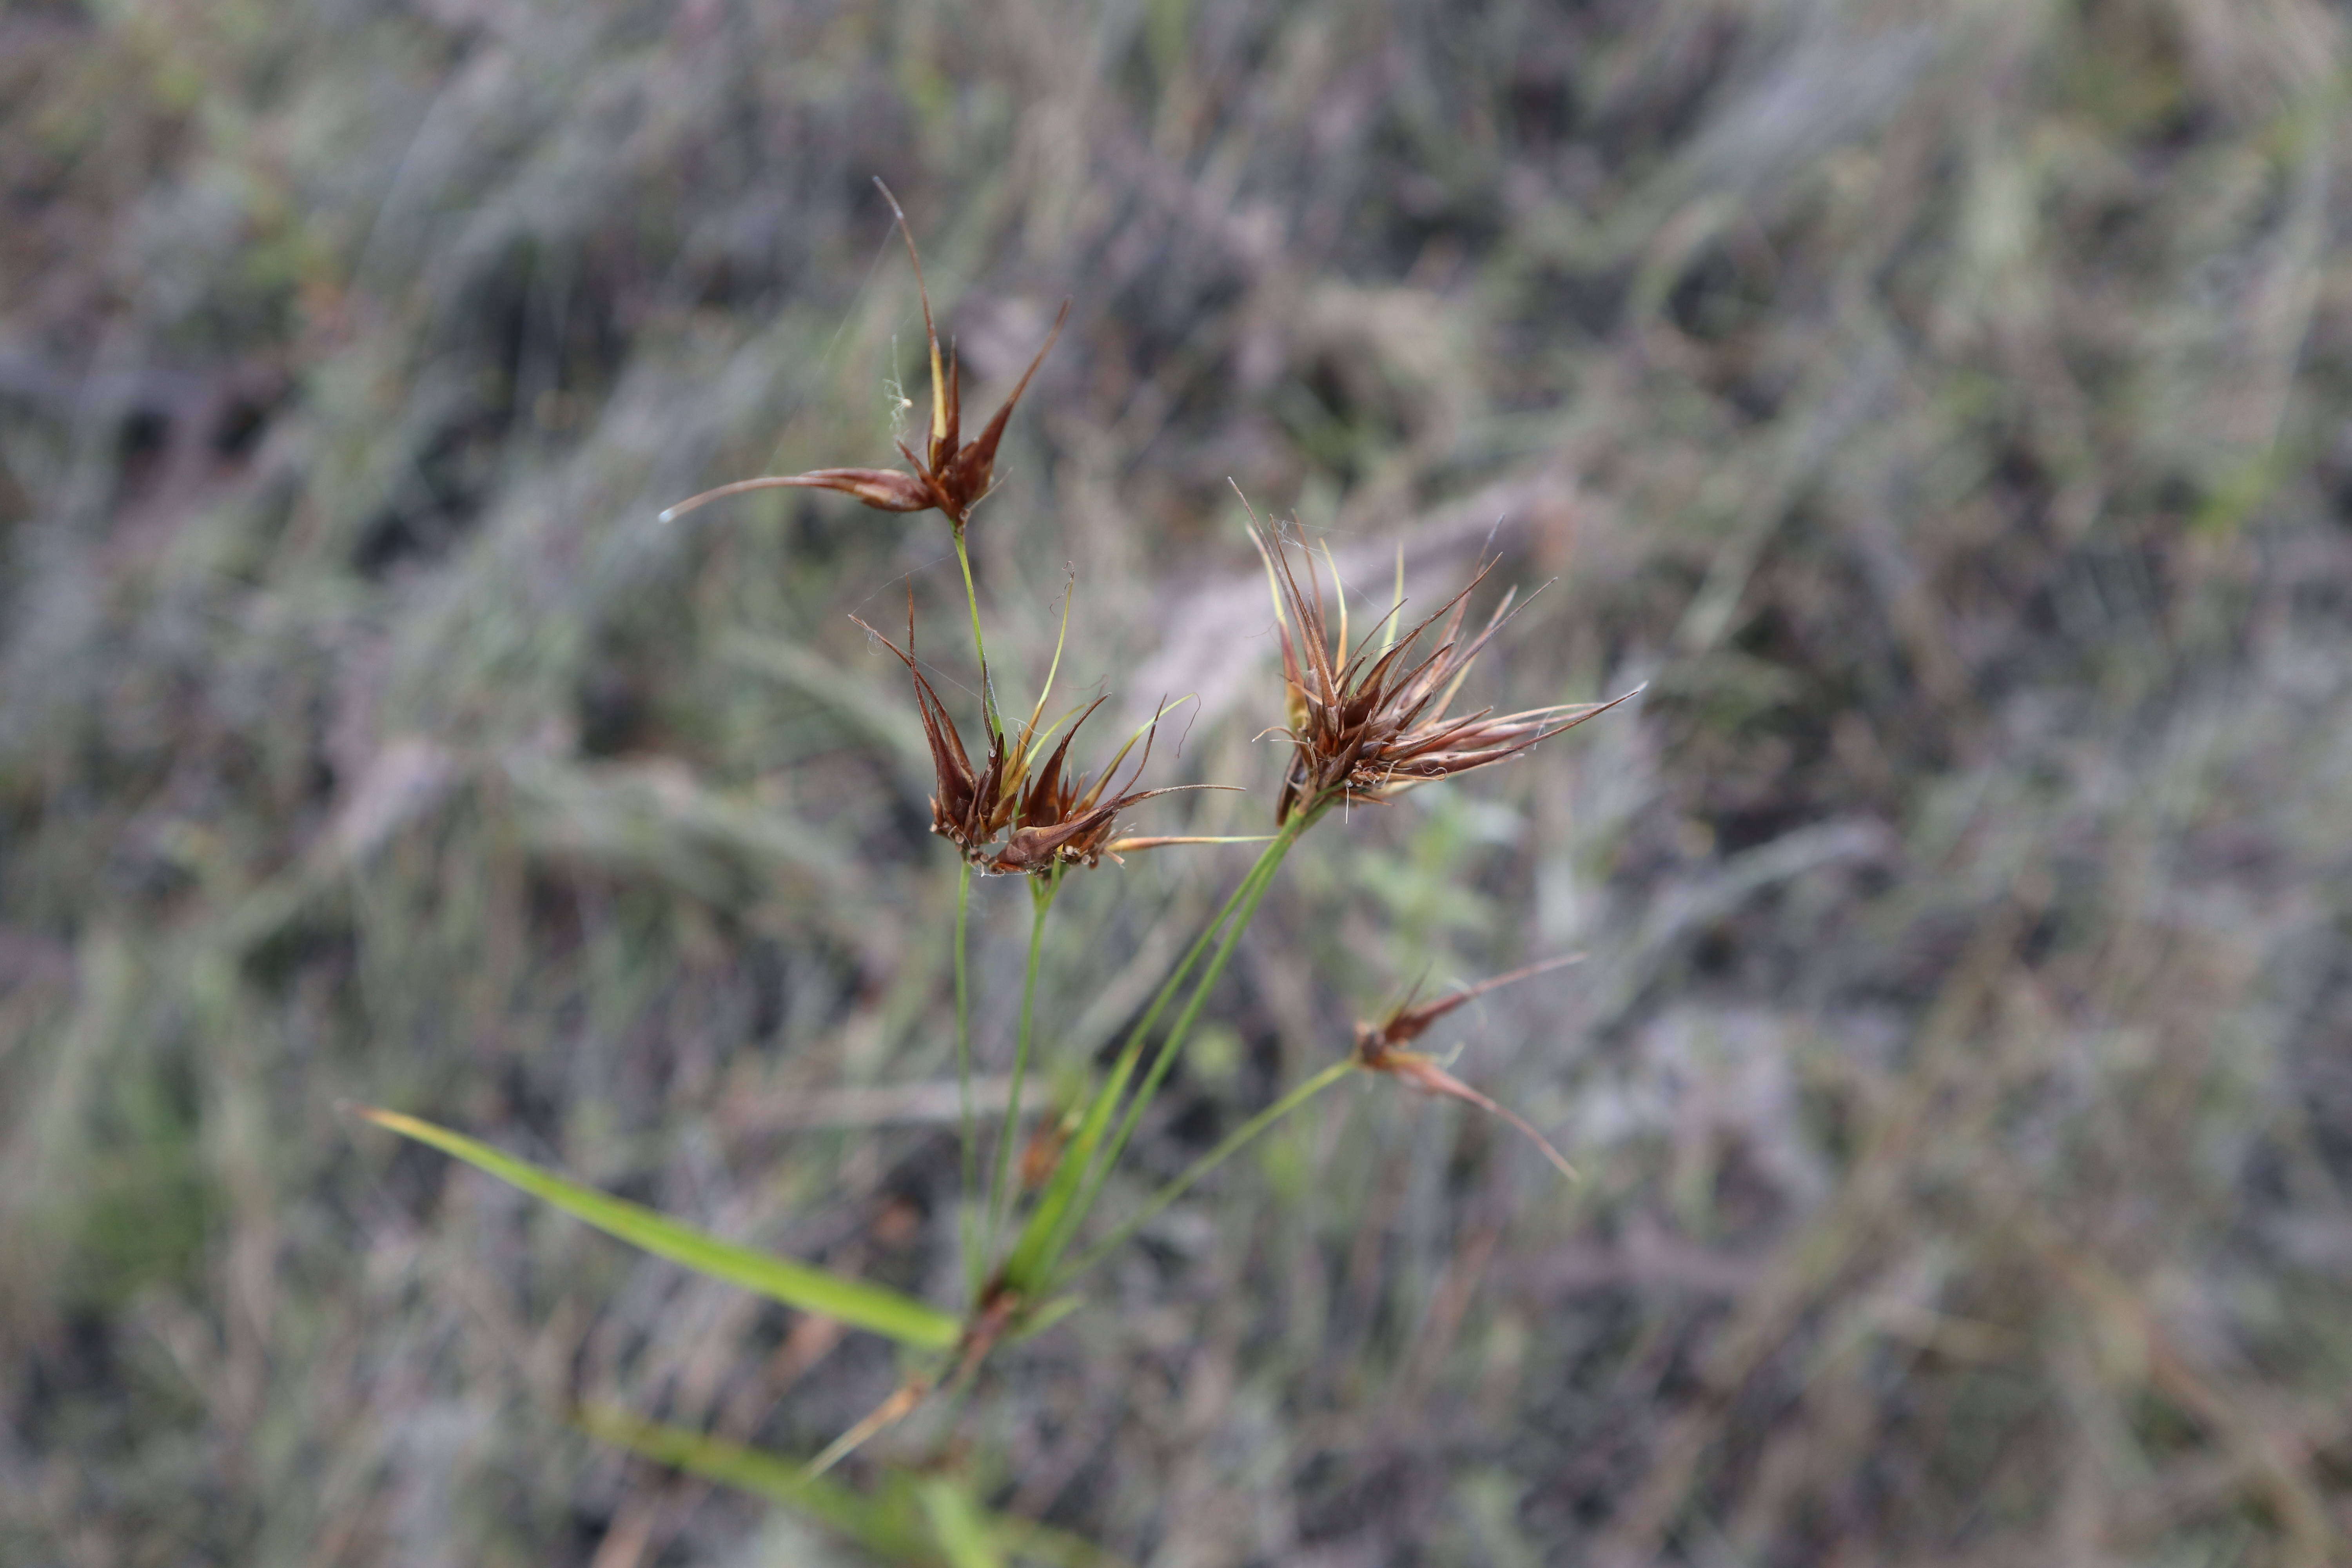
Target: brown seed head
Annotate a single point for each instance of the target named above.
(950, 473)
(972, 805)
(1047, 816)
(1377, 1051)
(1065, 821)
(1366, 722)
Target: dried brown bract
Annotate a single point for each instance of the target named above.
(1366, 722)
(1379, 1050)
(1063, 821)
(951, 473)
(1047, 816)
(972, 805)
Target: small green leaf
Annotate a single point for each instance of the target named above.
(851, 1301)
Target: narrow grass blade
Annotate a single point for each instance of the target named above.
(1245, 910)
(958, 1525)
(1061, 1208)
(889, 1523)
(850, 1301)
(883, 1524)
(1034, 1250)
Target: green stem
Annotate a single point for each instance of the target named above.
(974, 1263)
(1049, 1227)
(979, 644)
(1235, 1142)
(1042, 889)
(1229, 925)
(1269, 863)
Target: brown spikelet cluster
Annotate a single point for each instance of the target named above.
(1064, 820)
(1367, 721)
(1017, 809)
(1380, 1049)
(950, 473)
(1013, 812)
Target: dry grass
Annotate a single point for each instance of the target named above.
(1942, 407)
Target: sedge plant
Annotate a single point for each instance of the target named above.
(1361, 719)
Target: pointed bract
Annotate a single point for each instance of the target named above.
(884, 489)
(949, 474)
(1365, 724)
(1045, 816)
(1065, 822)
(972, 806)
(1377, 1051)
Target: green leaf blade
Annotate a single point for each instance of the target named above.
(958, 1524)
(902, 1520)
(882, 1524)
(851, 1301)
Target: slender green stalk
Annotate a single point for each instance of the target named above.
(1234, 1142)
(1270, 862)
(975, 1264)
(1042, 889)
(1052, 1233)
(979, 643)
(1059, 1212)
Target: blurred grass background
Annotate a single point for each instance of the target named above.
(1943, 407)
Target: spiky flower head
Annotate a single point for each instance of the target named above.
(1379, 1048)
(950, 473)
(1366, 723)
(971, 804)
(1015, 812)
(1066, 821)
